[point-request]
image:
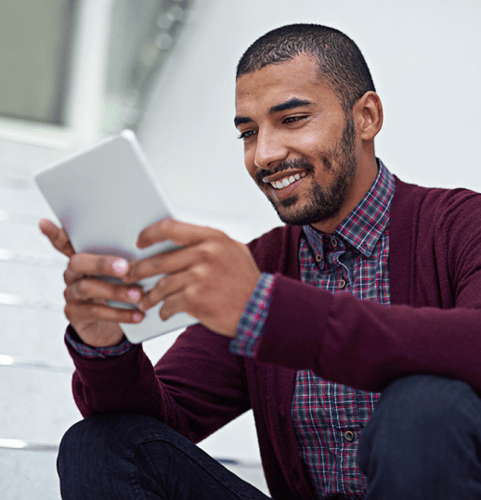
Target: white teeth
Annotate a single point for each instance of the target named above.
(287, 181)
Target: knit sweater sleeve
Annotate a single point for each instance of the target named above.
(366, 345)
(197, 386)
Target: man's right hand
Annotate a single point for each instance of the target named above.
(96, 323)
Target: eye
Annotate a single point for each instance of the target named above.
(293, 119)
(247, 134)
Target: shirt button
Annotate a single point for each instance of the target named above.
(349, 435)
(318, 257)
(342, 284)
(333, 242)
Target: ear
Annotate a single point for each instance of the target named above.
(368, 115)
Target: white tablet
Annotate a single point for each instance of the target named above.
(104, 196)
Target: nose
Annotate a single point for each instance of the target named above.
(270, 149)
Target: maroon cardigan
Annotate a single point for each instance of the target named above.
(432, 326)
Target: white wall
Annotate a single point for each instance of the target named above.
(425, 59)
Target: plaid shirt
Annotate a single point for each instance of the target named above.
(329, 417)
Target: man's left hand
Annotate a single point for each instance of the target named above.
(211, 278)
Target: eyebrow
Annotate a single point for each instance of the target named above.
(290, 104)
(284, 106)
(239, 120)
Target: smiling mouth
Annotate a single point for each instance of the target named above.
(286, 181)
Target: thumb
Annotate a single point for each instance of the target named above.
(57, 236)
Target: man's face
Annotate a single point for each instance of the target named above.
(299, 145)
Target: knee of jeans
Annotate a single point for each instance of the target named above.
(75, 449)
(419, 409)
(82, 438)
(107, 433)
(418, 406)
(430, 399)
(105, 443)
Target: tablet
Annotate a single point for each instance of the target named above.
(104, 196)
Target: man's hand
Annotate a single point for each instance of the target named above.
(96, 323)
(212, 277)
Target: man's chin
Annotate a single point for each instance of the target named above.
(292, 216)
(303, 216)
(285, 209)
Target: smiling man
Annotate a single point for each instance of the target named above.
(373, 285)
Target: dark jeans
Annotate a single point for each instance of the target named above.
(134, 457)
(423, 442)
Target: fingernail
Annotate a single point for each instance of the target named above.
(134, 294)
(120, 266)
(137, 317)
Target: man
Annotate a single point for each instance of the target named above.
(372, 283)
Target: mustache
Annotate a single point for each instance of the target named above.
(297, 164)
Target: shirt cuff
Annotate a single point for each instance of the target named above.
(95, 352)
(251, 324)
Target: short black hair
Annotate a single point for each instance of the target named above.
(340, 62)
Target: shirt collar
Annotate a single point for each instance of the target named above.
(363, 227)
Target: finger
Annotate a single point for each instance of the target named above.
(172, 305)
(58, 237)
(77, 312)
(96, 290)
(70, 277)
(178, 260)
(97, 265)
(165, 287)
(180, 233)
(164, 263)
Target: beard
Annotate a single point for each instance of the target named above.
(324, 202)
